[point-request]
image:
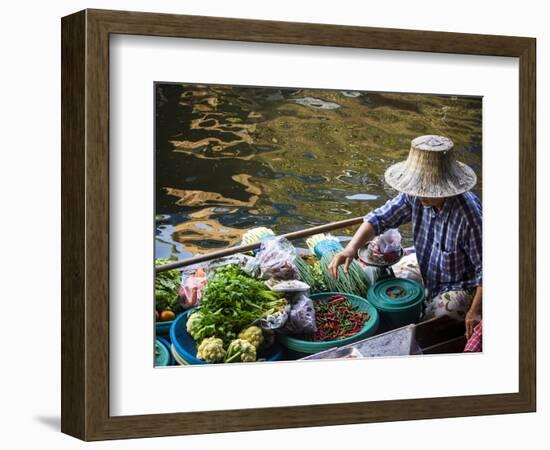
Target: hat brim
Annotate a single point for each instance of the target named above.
(459, 179)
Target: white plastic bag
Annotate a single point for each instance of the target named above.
(390, 241)
(274, 321)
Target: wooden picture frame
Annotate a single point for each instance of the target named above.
(85, 224)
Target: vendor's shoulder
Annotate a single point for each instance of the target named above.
(471, 199)
(470, 203)
(401, 198)
(407, 197)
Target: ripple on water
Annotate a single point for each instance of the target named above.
(351, 94)
(311, 156)
(362, 197)
(316, 103)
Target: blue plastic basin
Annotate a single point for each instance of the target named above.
(186, 347)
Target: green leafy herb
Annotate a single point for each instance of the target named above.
(167, 285)
(231, 301)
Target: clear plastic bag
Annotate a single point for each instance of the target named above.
(385, 249)
(274, 321)
(301, 319)
(237, 259)
(274, 260)
(190, 292)
(390, 241)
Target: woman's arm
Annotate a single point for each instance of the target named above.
(393, 213)
(364, 234)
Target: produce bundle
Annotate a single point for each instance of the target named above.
(319, 277)
(356, 281)
(337, 318)
(167, 285)
(230, 302)
(310, 274)
(255, 235)
(319, 244)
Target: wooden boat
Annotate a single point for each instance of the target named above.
(439, 335)
(434, 336)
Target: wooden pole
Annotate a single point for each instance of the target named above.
(245, 248)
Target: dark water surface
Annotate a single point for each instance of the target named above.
(232, 158)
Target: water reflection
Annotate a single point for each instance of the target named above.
(231, 158)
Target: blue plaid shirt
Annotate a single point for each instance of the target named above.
(448, 243)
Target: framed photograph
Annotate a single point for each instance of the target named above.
(293, 224)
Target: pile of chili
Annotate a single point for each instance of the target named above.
(336, 318)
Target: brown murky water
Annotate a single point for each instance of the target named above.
(232, 158)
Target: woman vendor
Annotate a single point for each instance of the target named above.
(447, 228)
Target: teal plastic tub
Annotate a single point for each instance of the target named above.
(398, 301)
(162, 354)
(370, 327)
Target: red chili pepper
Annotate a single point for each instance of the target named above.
(337, 318)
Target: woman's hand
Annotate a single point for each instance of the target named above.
(471, 320)
(364, 234)
(344, 257)
(473, 316)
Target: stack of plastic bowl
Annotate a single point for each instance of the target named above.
(398, 301)
(184, 348)
(162, 353)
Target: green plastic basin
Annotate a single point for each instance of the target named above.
(308, 347)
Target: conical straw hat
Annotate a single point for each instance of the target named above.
(431, 170)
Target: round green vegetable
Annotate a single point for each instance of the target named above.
(211, 350)
(252, 334)
(240, 350)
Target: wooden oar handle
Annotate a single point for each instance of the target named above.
(245, 248)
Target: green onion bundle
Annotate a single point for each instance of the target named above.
(311, 275)
(304, 270)
(355, 281)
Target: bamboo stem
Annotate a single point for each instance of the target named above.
(245, 248)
